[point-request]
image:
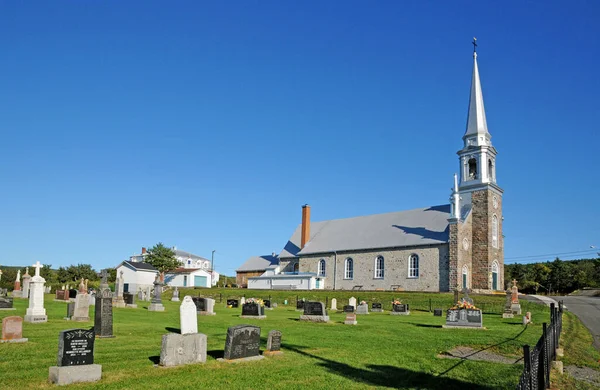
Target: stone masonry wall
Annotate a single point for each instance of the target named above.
(433, 269)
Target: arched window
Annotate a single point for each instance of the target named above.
(296, 268)
(321, 267)
(491, 169)
(379, 267)
(495, 271)
(349, 269)
(472, 169)
(465, 276)
(495, 231)
(413, 266)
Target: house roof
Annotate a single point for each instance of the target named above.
(182, 270)
(140, 266)
(424, 226)
(188, 255)
(258, 263)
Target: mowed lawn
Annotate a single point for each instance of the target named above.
(381, 351)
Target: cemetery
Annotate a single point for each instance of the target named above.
(177, 347)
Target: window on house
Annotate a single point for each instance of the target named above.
(379, 266)
(321, 267)
(495, 231)
(296, 267)
(349, 268)
(413, 266)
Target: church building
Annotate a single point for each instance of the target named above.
(435, 248)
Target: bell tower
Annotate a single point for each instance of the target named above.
(478, 196)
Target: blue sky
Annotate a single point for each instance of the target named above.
(208, 125)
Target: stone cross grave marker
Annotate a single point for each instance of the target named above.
(36, 312)
(12, 330)
(75, 358)
(187, 316)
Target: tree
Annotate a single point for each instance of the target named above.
(162, 258)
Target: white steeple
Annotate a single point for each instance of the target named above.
(476, 123)
(455, 201)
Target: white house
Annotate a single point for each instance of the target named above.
(274, 279)
(137, 275)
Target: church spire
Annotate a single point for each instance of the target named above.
(476, 123)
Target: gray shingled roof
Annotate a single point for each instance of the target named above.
(185, 254)
(258, 263)
(141, 266)
(416, 227)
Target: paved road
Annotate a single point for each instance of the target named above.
(588, 311)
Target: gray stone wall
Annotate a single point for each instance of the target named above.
(465, 256)
(433, 269)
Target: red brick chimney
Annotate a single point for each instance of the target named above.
(143, 251)
(305, 225)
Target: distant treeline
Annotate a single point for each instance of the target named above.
(556, 276)
(71, 274)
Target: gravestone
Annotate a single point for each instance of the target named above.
(36, 312)
(465, 297)
(273, 343)
(362, 309)
(72, 293)
(209, 305)
(253, 311)
(6, 303)
(352, 301)
(118, 299)
(179, 349)
(515, 305)
(60, 295)
(350, 319)
(437, 312)
(243, 300)
(148, 295)
(243, 342)
(129, 300)
(268, 304)
(400, 309)
(103, 317)
(175, 297)
(188, 318)
(376, 307)
(17, 286)
(300, 304)
(334, 304)
(12, 330)
(81, 312)
(200, 303)
(233, 303)
(140, 295)
(314, 312)
(464, 318)
(348, 309)
(75, 358)
(26, 282)
(70, 310)
(508, 313)
(92, 298)
(156, 302)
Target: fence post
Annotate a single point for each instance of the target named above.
(326, 302)
(545, 360)
(220, 298)
(527, 361)
(430, 305)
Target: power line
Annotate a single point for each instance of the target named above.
(549, 254)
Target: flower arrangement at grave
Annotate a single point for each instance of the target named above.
(363, 302)
(396, 302)
(255, 301)
(464, 305)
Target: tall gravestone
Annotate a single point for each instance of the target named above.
(243, 342)
(36, 312)
(75, 361)
(515, 305)
(119, 287)
(352, 302)
(26, 282)
(156, 303)
(17, 288)
(508, 313)
(103, 317)
(188, 318)
(12, 330)
(70, 310)
(334, 304)
(81, 311)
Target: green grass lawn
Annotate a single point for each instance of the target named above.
(381, 351)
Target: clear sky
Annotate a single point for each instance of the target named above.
(208, 125)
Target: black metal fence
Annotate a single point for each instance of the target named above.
(536, 372)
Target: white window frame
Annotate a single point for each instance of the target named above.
(322, 267)
(495, 267)
(413, 266)
(379, 268)
(349, 268)
(495, 231)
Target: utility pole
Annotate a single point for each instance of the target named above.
(212, 261)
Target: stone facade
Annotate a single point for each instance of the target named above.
(433, 268)
(461, 252)
(241, 277)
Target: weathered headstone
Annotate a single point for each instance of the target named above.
(348, 309)
(350, 319)
(508, 313)
(175, 297)
(352, 302)
(315, 312)
(243, 342)
(156, 302)
(103, 318)
(148, 295)
(26, 282)
(376, 307)
(253, 310)
(515, 305)
(363, 308)
(17, 292)
(82, 308)
(129, 300)
(118, 299)
(400, 309)
(70, 310)
(178, 349)
(60, 295)
(233, 303)
(75, 358)
(140, 295)
(6, 303)
(273, 343)
(464, 318)
(36, 312)
(12, 330)
(188, 318)
(334, 304)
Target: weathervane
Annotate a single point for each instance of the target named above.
(474, 45)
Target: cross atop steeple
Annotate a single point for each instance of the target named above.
(474, 45)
